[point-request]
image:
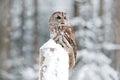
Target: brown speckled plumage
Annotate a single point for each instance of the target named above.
(62, 33)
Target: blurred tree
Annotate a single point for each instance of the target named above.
(28, 31)
(116, 21)
(16, 28)
(94, 36)
(36, 32)
(18, 39)
(5, 33)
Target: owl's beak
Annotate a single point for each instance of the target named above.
(62, 21)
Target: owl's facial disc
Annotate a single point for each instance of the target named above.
(61, 18)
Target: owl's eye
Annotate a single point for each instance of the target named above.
(58, 17)
(65, 17)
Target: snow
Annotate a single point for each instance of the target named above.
(110, 46)
(94, 57)
(93, 66)
(55, 66)
(28, 74)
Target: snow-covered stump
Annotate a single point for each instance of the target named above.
(54, 62)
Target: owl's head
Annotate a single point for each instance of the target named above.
(58, 19)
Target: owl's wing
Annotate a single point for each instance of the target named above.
(72, 40)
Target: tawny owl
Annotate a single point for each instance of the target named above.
(62, 33)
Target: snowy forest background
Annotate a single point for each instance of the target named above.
(24, 29)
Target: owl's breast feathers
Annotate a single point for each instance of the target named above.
(65, 34)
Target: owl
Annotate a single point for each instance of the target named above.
(62, 33)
